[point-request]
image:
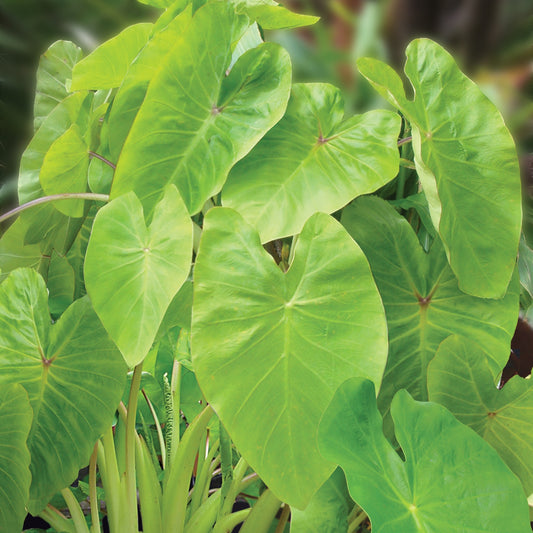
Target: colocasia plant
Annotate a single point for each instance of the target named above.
(319, 302)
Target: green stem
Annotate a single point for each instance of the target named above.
(359, 519)
(405, 140)
(110, 475)
(57, 520)
(131, 487)
(92, 491)
(53, 198)
(283, 519)
(175, 391)
(75, 511)
(196, 235)
(230, 521)
(234, 489)
(263, 513)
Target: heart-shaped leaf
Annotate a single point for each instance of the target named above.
(73, 374)
(64, 170)
(106, 66)
(53, 75)
(460, 379)
(311, 149)
(466, 160)
(273, 347)
(451, 480)
(194, 123)
(422, 300)
(132, 271)
(15, 478)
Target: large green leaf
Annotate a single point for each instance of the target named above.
(451, 480)
(144, 68)
(73, 374)
(328, 509)
(132, 271)
(466, 160)
(460, 379)
(196, 122)
(53, 76)
(15, 478)
(274, 347)
(64, 170)
(422, 300)
(106, 66)
(312, 161)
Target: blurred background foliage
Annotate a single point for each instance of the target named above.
(491, 39)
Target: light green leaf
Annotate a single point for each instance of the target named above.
(466, 160)
(460, 379)
(451, 480)
(272, 16)
(74, 109)
(106, 66)
(312, 149)
(53, 76)
(143, 69)
(273, 347)
(132, 271)
(64, 170)
(164, 3)
(72, 372)
(16, 416)
(14, 253)
(422, 300)
(328, 509)
(194, 123)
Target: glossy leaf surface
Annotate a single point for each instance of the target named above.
(422, 300)
(194, 123)
(274, 347)
(132, 271)
(451, 479)
(53, 76)
(64, 170)
(106, 66)
(312, 161)
(16, 416)
(143, 69)
(466, 160)
(460, 379)
(73, 374)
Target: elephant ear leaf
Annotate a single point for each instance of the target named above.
(16, 416)
(504, 418)
(451, 479)
(73, 374)
(273, 346)
(466, 160)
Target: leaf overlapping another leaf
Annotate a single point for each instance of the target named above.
(274, 347)
(196, 121)
(466, 160)
(312, 161)
(72, 372)
(451, 479)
